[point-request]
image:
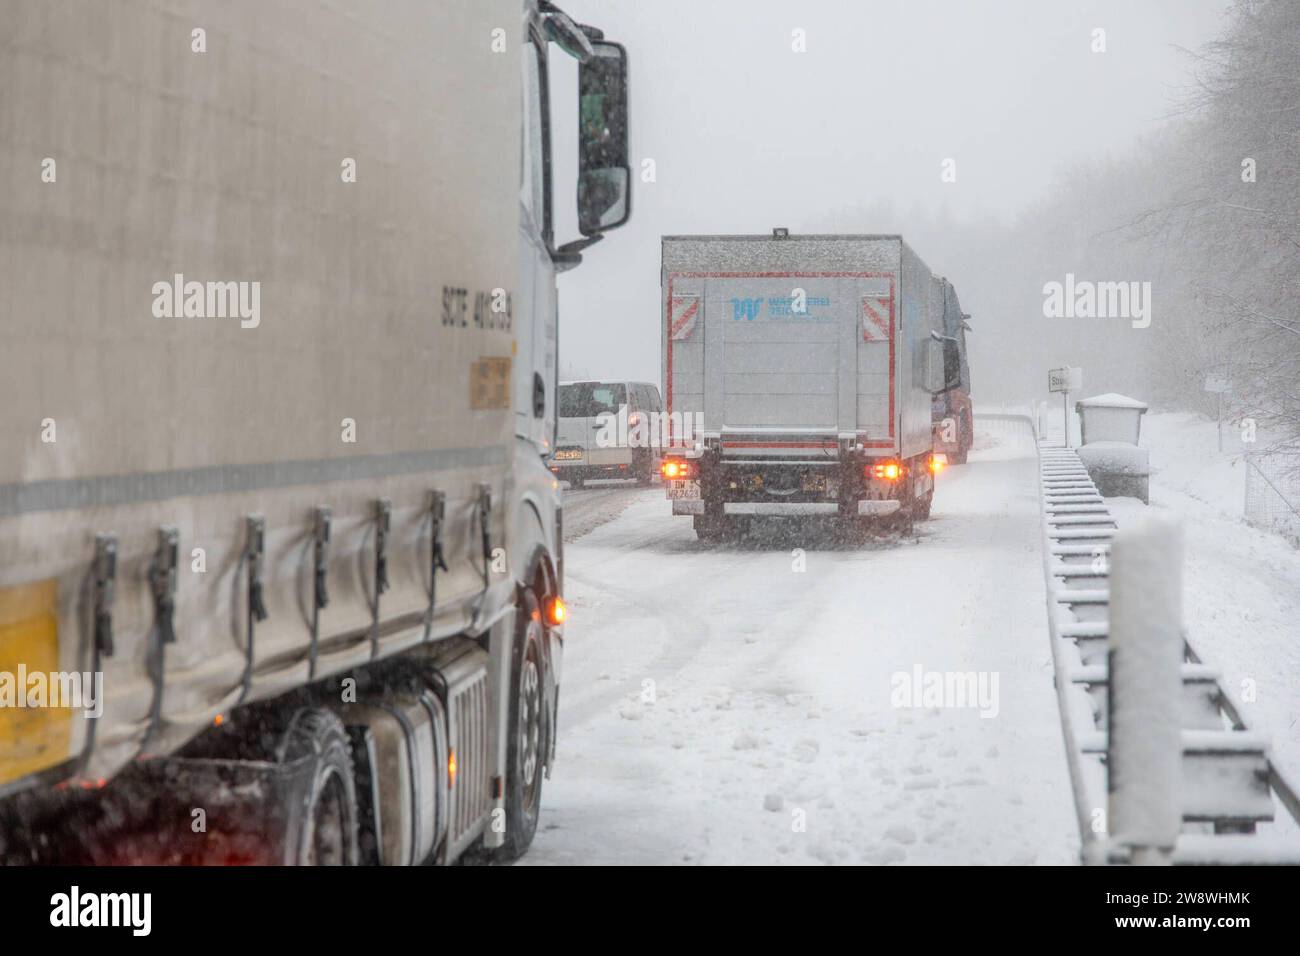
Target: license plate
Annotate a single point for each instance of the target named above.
(684, 489)
(567, 455)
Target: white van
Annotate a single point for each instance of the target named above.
(592, 435)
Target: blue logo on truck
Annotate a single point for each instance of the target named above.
(807, 308)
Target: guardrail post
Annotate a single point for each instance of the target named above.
(1145, 651)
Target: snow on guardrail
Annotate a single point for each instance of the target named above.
(1226, 780)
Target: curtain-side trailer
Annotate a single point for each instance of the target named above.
(278, 340)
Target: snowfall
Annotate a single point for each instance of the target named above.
(739, 703)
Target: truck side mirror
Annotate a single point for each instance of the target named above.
(604, 176)
(943, 364)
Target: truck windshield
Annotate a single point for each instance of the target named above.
(589, 399)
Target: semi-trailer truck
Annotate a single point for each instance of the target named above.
(280, 556)
(810, 363)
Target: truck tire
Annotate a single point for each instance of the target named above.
(923, 507)
(327, 827)
(575, 482)
(527, 728)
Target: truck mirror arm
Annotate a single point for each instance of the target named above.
(569, 255)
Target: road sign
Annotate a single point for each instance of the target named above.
(1065, 380)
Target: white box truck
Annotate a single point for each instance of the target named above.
(277, 536)
(799, 373)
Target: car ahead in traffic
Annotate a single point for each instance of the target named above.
(606, 430)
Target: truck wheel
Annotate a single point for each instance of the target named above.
(527, 729)
(327, 827)
(575, 482)
(923, 507)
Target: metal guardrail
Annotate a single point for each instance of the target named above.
(1077, 530)
(1076, 548)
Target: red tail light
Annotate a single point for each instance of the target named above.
(884, 471)
(676, 469)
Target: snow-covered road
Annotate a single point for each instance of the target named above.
(737, 703)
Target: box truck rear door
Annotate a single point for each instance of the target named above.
(780, 345)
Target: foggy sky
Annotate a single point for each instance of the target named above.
(747, 134)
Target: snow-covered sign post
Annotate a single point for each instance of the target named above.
(1065, 380)
(1145, 651)
(1218, 385)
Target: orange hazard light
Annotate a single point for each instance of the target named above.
(885, 471)
(557, 612)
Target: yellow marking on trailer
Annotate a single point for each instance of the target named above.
(31, 738)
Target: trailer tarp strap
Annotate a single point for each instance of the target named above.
(162, 582)
(383, 523)
(437, 514)
(320, 595)
(253, 555)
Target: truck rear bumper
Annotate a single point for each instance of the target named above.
(878, 507)
(780, 508)
(688, 507)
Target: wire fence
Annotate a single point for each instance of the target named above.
(1273, 494)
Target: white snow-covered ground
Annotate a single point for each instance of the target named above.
(720, 705)
(1241, 585)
